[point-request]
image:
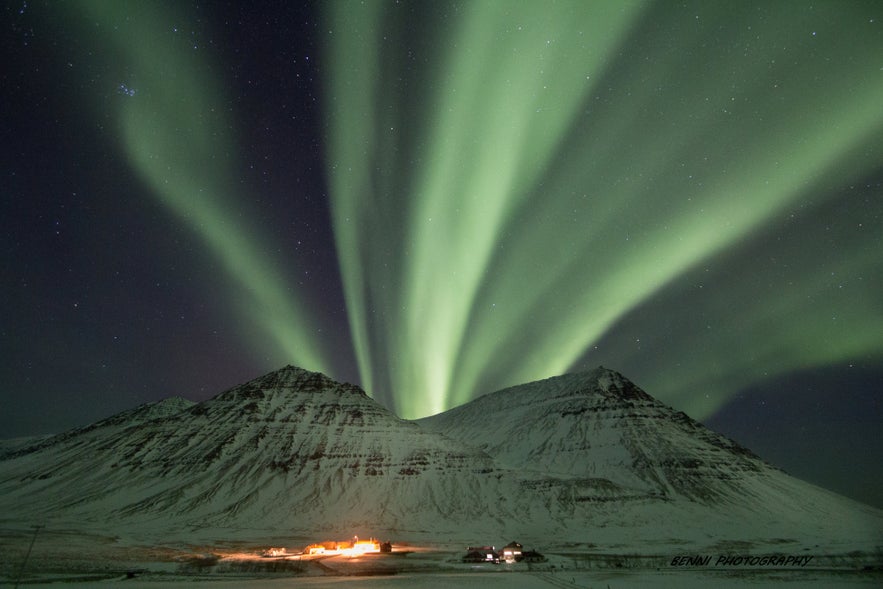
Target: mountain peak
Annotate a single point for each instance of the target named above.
(283, 394)
(611, 384)
(602, 386)
(287, 379)
(294, 376)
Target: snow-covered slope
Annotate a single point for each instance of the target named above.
(599, 425)
(635, 459)
(290, 450)
(83, 437)
(579, 458)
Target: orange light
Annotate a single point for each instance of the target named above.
(356, 548)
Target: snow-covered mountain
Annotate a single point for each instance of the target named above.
(633, 462)
(291, 450)
(599, 426)
(583, 457)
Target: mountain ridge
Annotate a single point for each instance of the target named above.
(298, 451)
(599, 419)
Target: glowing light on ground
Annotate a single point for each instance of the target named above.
(351, 548)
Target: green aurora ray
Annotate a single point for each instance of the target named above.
(177, 137)
(683, 192)
(511, 181)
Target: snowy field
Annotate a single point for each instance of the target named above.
(102, 561)
(489, 580)
(69, 557)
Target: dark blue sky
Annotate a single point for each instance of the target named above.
(697, 119)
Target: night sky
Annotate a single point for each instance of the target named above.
(435, 200)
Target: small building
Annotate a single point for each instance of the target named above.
(354, 547)
(482, 554)
(365, 546)
(512, 552)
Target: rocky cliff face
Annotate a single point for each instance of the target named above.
(578, 458)
(599, 425)
(292, 448)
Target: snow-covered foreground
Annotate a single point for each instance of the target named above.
(77, 559)
(487, 580)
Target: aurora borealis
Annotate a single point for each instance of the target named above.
(437, 200)
(572, 161)
(191, 177)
